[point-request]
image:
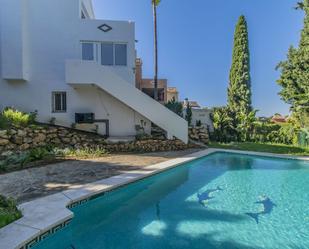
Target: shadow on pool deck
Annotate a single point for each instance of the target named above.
(33, 183)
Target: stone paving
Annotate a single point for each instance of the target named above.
(33, 183)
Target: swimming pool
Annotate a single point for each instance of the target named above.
(223, 200)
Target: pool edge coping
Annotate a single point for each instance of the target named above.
(45, 215)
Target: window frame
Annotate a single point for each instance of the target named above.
(94, 51)
(100, 53)
(126, 46)
(64, 104)
(97, 52)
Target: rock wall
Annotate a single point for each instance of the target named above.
(199, 134)
(149, 145)
(21, 139)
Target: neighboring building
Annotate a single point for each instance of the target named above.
(56, 59)
(263, 119)
(147, 85)
(172, 93)
(202, 115)
(165, 93)
(193, 104)
(278, 118)
(199, 115)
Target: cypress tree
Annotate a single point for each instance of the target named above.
(188, 115)
(239, 91)
(294, 78)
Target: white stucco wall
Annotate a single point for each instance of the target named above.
(13, 23)
(204, 116)
(50, 34)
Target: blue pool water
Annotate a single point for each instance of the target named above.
(221, 201)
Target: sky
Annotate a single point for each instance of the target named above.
(196, 41)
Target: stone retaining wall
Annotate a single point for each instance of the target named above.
(21, 139)
(199, 134)
(149, 145)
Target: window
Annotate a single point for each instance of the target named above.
(87, 51)
(59, 101)
(121, 54)
(107, 54)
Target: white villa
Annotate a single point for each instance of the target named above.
(56, 59)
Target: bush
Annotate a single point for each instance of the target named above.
(255, 131)
(10, 116)
(37, 154)
(8, 211)
(198, 123)
(23, 158)
(14, 161)
(303, 138)
(143, 136)
(175, 107)
(188, 115)
(223, 125)
(266, 132)
(4, 123)
(81, 153)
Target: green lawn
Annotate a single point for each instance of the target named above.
(8, 211)
(260, 147)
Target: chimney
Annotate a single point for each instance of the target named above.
(138, 73)
(186, 103)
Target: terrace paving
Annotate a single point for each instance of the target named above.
(29, 184)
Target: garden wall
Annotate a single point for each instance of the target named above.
(21, 139)
(199, 134)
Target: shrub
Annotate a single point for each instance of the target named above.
(37, 154)
(8, 211)
(303, 138)
(251, 130)
(223, 125)
(4, 124)
(10, 116)
(198, 123)
(81, 153)
(175, 106)
(266, 132)
(143, 136)
(23, 158)
(14, 159)
(188, 115)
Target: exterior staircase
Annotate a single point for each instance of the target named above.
(91, 73)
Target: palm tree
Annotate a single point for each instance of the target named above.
(155, 3)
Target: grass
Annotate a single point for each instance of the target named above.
(8, 211)
(263, 147)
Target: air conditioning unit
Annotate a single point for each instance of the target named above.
(84, 118)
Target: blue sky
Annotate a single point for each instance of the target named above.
(196, 39)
